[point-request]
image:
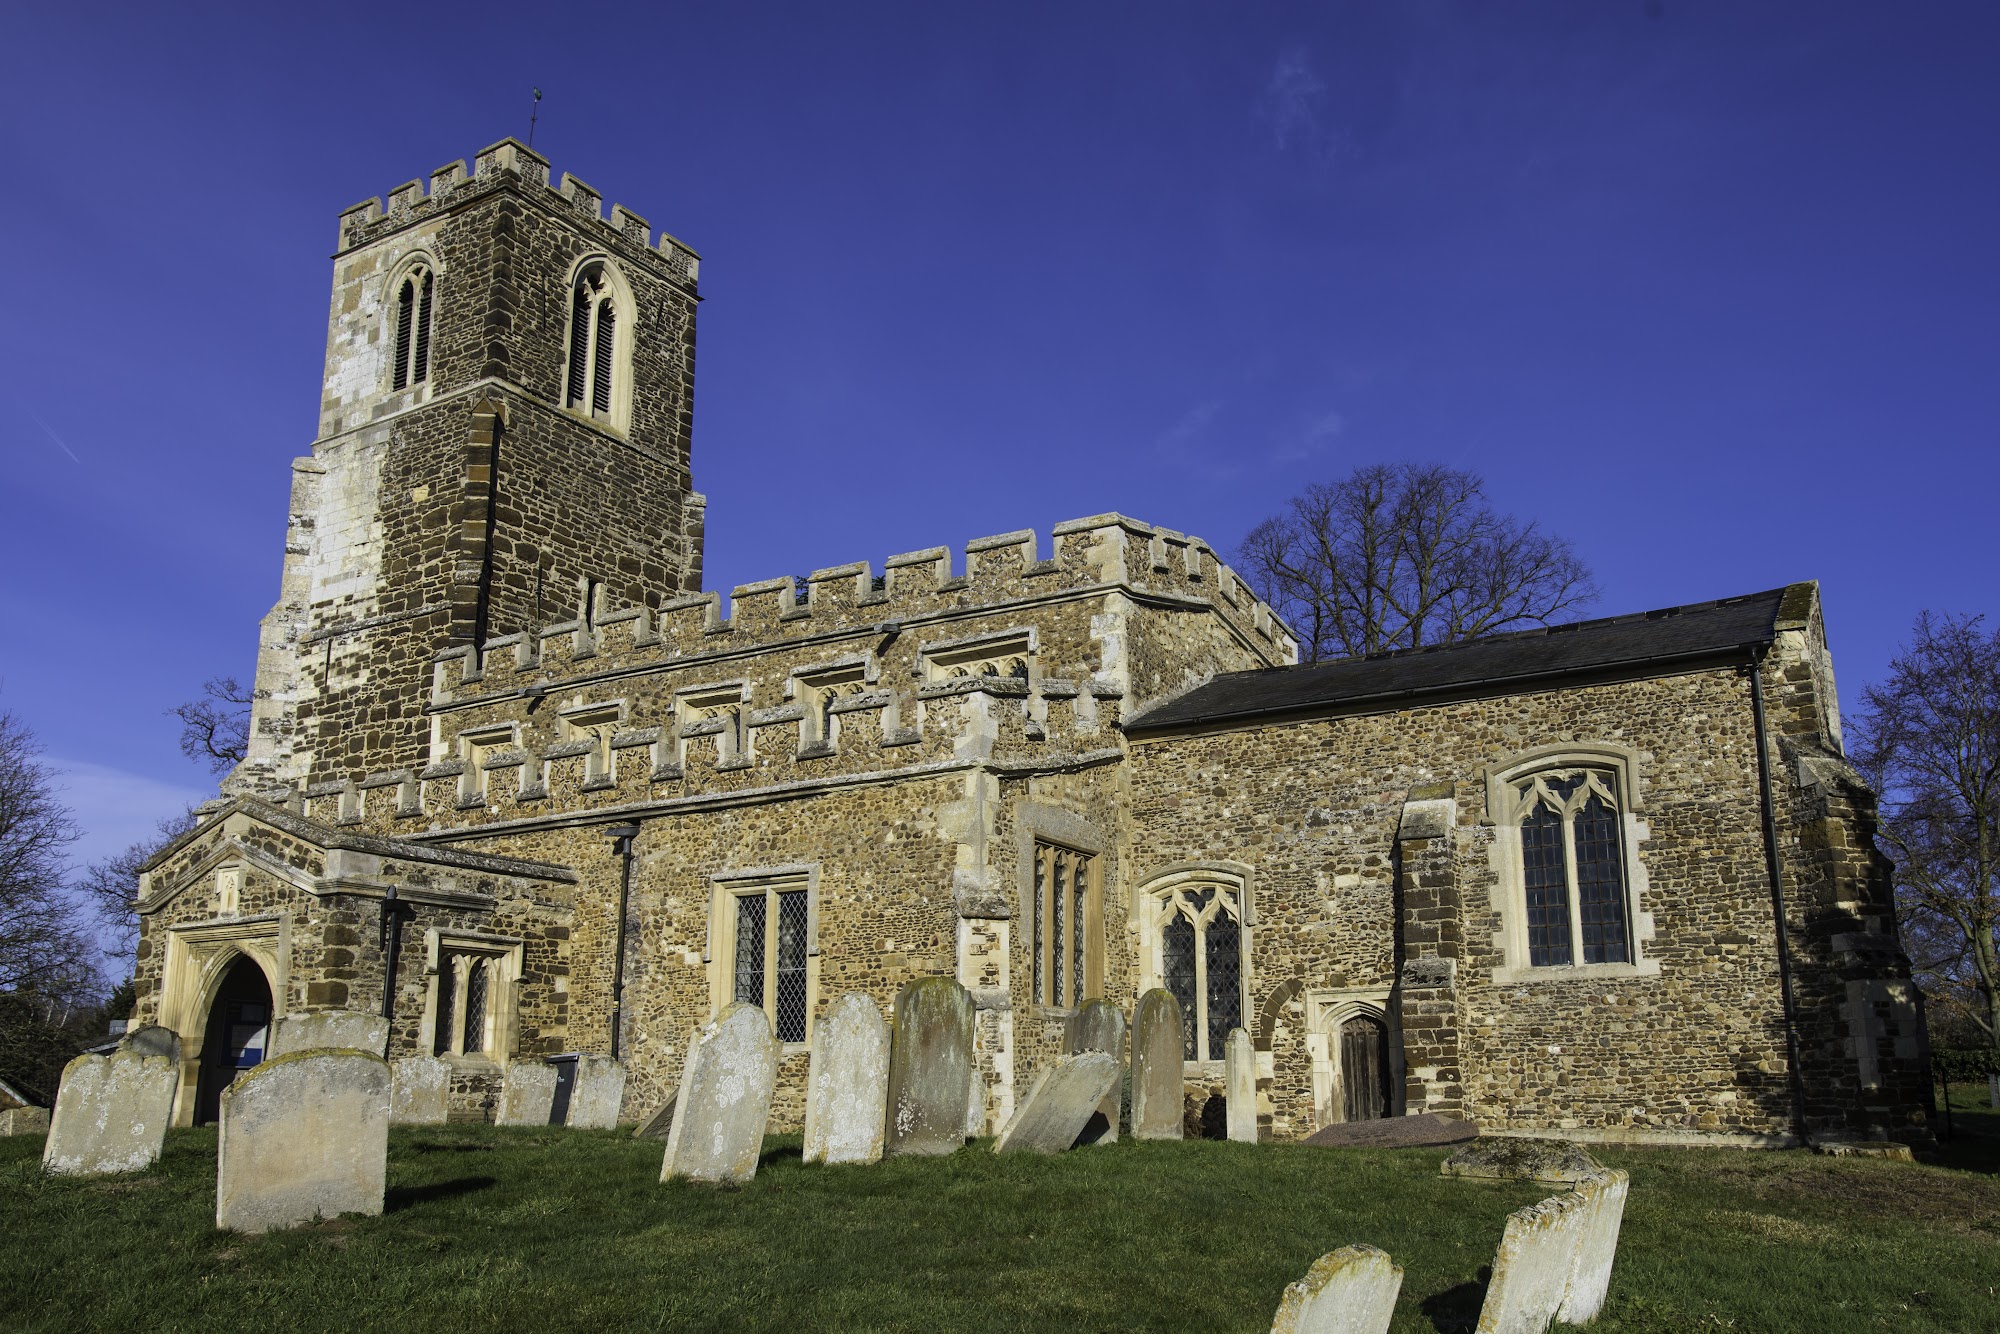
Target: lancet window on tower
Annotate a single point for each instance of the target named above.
(413, 328)
(589, 384)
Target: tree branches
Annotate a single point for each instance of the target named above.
(41, 947)
(1404, 555)
(215, 729)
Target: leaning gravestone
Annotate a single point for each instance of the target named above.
(1063, 1098)
(1348, 1291)
(847, 1083)
(527, 1094)
(152, 1040)
(1590, 1275)
(1531, 1268)
(1158, 1084)
(317, 1030)
(112, 1111)
(724, 1100)
(1240, 1078)
(1098, 1025)
(419, 1091)
(659, 1125)
(24, 1121)
(1520, 1158)
(930, 1068)
(597, 1095)
(304, 1136)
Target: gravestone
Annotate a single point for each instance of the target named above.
(659, 1125)
(419, 1091)
(1348, 1291)
(112, 1112)
(597, 1095)
(318, 1030)
(724, 1100)
(1424, 1130)
(1063, 1098)
(1521, 1158)
(1158, 1083)
(527, 1094)
(930, 1068)
(24, 1121)
(1531, 1269)
(847, 1083)
(152, 1040)
(1590, 1275)
(1241, 1084)
(304, 1136)
(1098, 1025)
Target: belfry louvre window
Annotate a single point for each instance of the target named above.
(768, 964)
(1067, 931)
(1573, 868)
(412, 362)
(593, 341)
(1201, 962)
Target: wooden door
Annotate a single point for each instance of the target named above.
(1364, 1068)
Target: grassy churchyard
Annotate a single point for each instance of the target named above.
(543, 1230)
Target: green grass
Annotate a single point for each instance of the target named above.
(537, 1231)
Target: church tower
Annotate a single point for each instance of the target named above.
(504, 435)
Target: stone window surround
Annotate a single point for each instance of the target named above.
(1037, 823)
(419, 391)
(1508, 896)
(719, 949)
(619, 419)
(819, 728)
(934, 657)
(1235, 878)
(595, 722)
(476, 745)
(1327, 1010)
(692, 707)
(503, 955)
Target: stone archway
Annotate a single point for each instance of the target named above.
(235, 1033)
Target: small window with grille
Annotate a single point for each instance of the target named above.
(471, 986)
(1010, 655)
(1066, 927)
(819, 691)
(410, 361)
(595, 725)
(475, 749)
(764, 930)
(1198, 944)
(1573, 868)
(596, 346)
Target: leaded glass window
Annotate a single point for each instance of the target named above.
(770, 954)
(469, 1016)
(788, 1012)
(1063, 928)
(750, 949)
(1201, 962)
(474, 1039)
(446, 1029)
(1573, 868)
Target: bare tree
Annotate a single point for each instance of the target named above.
(215, 729)
(1403, 555)
(1928, 737)
(107, 887)
(43, 948)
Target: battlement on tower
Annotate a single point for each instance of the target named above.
(511, 161)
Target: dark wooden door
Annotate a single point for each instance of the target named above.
(1364, 1068)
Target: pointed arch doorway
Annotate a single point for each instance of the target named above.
(236, 1035)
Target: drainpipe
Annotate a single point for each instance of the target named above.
(1774, 871)
(392, 930)
(622, 846)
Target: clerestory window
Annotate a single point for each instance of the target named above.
(1573, 868)
(1197, 942)
(411, 363)
(590, 382)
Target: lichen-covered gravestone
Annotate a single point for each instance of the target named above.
(1531, 1268)
(1596, 1248)
(724, 1100)
(930, 1068)
(112, 1111)
(153, 1040)
(1098, 1025)
(1241, 1086)
(304, 1136)
(1521, 1158)
(419, 1091)
(597, 1095)
(1064, 1096)
(1348, 1291)
(847, 1083)
(1158, 1082)
(316, 1030)
(527, 1094)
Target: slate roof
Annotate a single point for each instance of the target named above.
(1497, 664)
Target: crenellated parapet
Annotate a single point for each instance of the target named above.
(510, 161)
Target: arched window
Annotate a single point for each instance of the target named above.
(412, 361)
(1198, 928)
(590, 383)
(1573, 867)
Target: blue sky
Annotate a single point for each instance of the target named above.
(1710, 288)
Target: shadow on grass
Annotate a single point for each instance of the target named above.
(1456, 1310)
(780, 1154)
(405, 1197)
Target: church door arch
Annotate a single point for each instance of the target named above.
(1364, 1068)
(236, 1035)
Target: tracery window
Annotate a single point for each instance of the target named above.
(589, 379)
(1573, 868)
(411, 363)
(766, 947)
(1066, 931)
(1200, 941)
(470, 989)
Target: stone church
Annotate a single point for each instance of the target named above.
(518, 783)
